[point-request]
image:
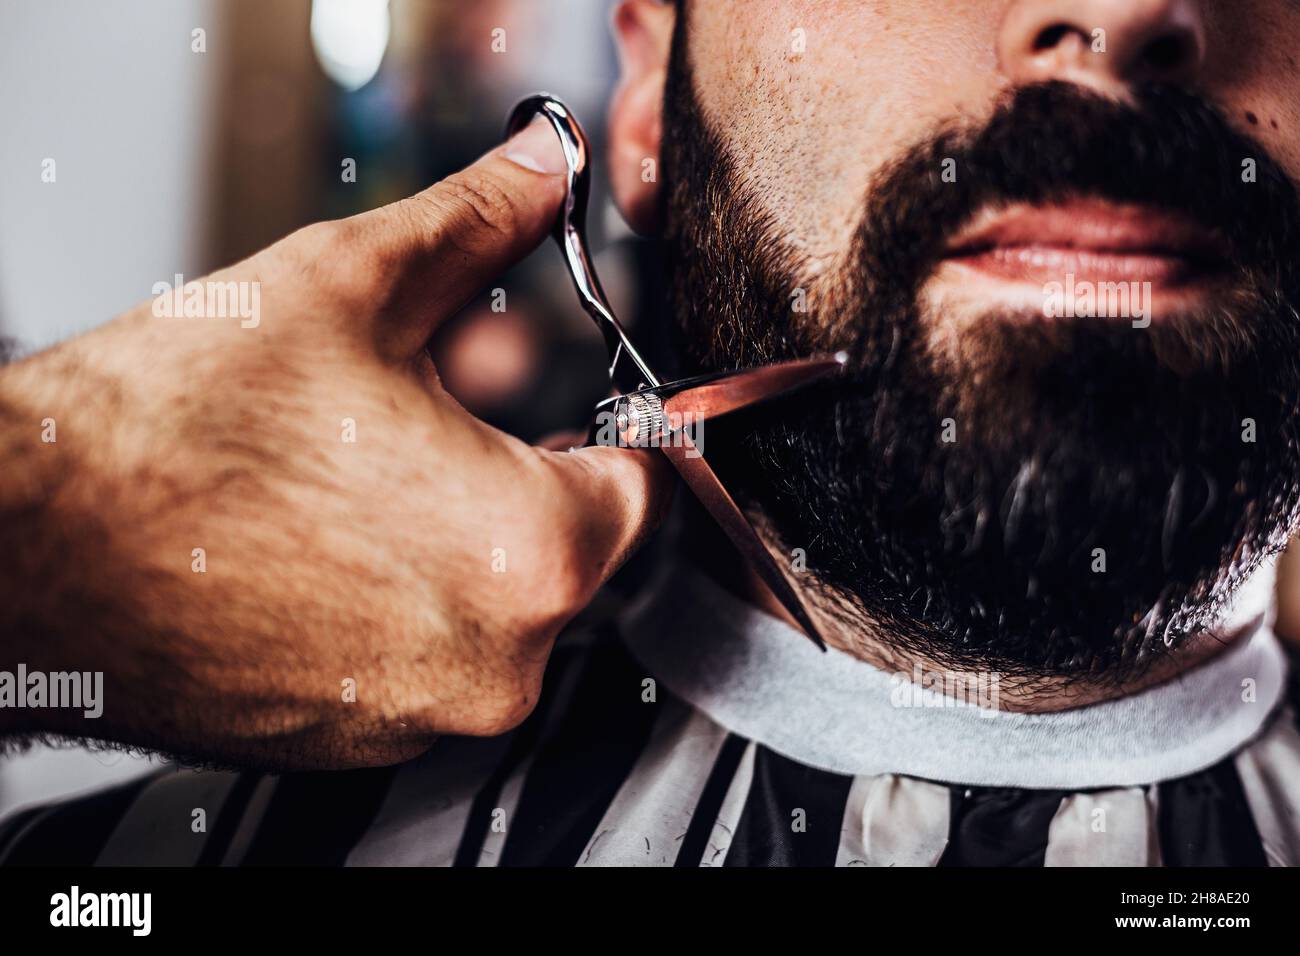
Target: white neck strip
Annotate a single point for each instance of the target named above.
(761, 679)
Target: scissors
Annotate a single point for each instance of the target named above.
(645, 411)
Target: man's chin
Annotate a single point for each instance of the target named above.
(1062, 496)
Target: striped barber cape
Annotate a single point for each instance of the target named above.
(692, 730)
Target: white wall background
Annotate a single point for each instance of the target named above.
(110, 90)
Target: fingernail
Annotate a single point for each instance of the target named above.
(537, 148)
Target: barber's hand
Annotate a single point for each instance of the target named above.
(285, 543)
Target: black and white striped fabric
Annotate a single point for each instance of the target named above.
(601, 776)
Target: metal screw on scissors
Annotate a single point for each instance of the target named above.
(643, 407)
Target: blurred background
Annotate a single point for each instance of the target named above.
(182, 135)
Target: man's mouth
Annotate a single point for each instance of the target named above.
(1085, 242)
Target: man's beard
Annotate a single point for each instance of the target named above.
(1101, 499)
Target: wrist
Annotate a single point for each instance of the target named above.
(40, 553)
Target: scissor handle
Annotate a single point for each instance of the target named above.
(628, 372)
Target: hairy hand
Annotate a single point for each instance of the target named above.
(282, 542)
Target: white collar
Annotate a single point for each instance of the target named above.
(759, 678)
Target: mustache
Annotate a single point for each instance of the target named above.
(1168, 149)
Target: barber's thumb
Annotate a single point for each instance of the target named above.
(619, 496)
(445, 244)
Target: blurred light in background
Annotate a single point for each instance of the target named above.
(350, 37)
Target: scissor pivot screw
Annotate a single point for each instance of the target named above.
(639, 418)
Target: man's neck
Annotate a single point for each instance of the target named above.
(1020, 694)
(751, 673)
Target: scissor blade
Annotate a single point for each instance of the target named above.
(702, 481)
(714, 395)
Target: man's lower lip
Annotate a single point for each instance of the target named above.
(1042, 265)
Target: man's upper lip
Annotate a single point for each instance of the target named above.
(1087, 225)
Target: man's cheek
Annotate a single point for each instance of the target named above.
(813, 100)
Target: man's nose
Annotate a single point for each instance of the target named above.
(1107, 45)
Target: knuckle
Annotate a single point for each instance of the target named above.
(475, 204)
(501, 706)
(560, 567)
(561, 587)
(317, 238)
(311, 249)
(487, 686)
(376, 750)
(579, 552)
(570, 585)
(506, 715)
(346, 258)
(308, 249)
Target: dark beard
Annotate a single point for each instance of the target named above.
(1072, 435)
